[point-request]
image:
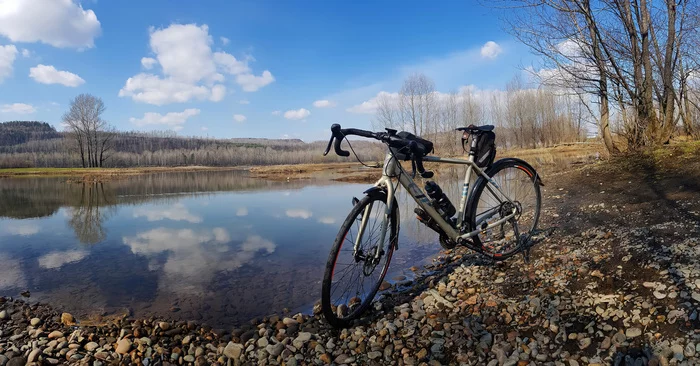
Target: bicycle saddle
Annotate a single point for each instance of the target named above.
(476, 129)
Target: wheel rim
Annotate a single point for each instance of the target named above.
(517, 184)
(356, 278)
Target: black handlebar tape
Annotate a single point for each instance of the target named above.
(328, 148)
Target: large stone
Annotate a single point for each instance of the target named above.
(303, 337)
(67, 319)
(33, 355)
(275, 350)
(633, 332)
(91, 346)
(123, 346)
(233, 350)
(17, 361)
(56, 334)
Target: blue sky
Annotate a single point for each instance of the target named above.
(242, 68)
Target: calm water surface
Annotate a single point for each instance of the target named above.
(219, 246)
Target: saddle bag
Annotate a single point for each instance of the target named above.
(485, 149)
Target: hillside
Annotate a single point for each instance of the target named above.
(19, 132)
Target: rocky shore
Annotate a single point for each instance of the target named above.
(564, 308)
(618, 283)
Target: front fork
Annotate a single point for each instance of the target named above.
(386, 183)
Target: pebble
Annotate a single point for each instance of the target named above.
(123, 346)
(34, 322)
(633, 332)
(67, 319)
(233, 350)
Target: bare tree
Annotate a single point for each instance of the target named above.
(91, 133)
(417, 104)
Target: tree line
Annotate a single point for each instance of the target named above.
(525, 117)
(634, 64)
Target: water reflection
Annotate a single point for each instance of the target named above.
(90, 207)
(12, 275)
(219, 247)
(178, 212)
(58, 259)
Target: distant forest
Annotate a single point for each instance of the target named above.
(25, 144)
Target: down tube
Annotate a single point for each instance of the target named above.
(424, 203)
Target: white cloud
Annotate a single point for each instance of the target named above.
(218, 92)
(239, 118)
(177, 212)
(18, 108)
(58, 259)
(243, 211)
(47, 74)
(243, 102)
(251, 83)
(7, 58)
(148, 62)
(26, 53)
(224, 40)
(276, 113)
(491, 50)
(299, 213)
(60, 23)
(370, 106)
(189, 68)
(174, 120)
(230, 64)
(297, 114)
(205, 128)
(152, 89)
(324, 104)
(327, 220)
(184, 52)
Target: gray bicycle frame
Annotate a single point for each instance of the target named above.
(392, 168)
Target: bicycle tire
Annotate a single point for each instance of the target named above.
(329, 310)
(504, 167)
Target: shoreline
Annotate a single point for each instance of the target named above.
(103, 172)
(619, 279)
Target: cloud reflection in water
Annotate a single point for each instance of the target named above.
(58, 259)
(194, 258)
(12, 275)
(176, 212)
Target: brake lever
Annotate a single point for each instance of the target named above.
(328, 148)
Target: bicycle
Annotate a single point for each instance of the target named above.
(489, 221)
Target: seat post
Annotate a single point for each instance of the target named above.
(473, 147)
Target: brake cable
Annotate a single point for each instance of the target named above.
(357, 157)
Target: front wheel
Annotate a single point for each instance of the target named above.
(353, 277)
(519, 191)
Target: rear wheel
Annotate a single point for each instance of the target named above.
(521, 192)
(352, 278)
